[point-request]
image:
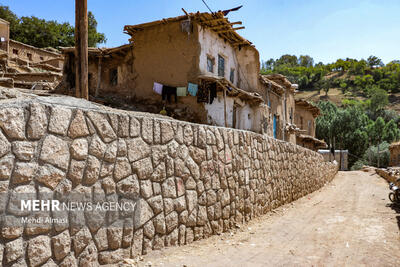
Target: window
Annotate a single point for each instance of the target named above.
(210, 64)
(232, 76)
(15, 51)
(29, 56)
(114, 76)
(301, 123)
(221, 66)
(309, 127)
(41, 58)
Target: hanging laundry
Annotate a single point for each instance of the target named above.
(213, 92)
(158, 87)
(167, 92)
(192, 89)
(203, 93)
(181, 91)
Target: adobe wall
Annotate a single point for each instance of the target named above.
(4, 33)
(38, 54)
(307, 116)
(190, 181)
(166, 55)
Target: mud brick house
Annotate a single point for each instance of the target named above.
(25, 66)
(199, 49)
(279, 94)
(202, 49)
(24, 52)
(305, 116)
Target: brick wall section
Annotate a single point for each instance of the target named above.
(194, 180)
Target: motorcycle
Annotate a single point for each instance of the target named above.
(395, 195)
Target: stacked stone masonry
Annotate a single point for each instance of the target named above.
(193, 180)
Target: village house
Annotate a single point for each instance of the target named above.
(209, 73)
(24, 52)
(197, 68)
(279, 94)
(305, 115)
(26, 66)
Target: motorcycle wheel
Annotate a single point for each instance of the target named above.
(392, 197)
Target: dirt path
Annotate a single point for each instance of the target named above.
(347, 223)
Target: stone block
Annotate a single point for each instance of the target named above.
(59, 120)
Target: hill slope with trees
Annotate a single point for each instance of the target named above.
(361, 119)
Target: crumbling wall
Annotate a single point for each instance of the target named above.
(191, 181)
(37, 54)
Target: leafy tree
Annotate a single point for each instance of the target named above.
(379, 99)
(94, 37)
(287, 60)
(382, 156)
(325, 123)
(269, 64)
(391, 132)
(7, 14)
(306, 61)
(41, 33)
(374, 62)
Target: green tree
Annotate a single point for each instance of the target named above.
(306, 61)
(7, 14)
(94, 37)
(41, 33)
(391, 132)
(287, 60)
(379, 99)
(325, 123)
(374, 62)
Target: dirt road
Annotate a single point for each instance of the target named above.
(347, 223)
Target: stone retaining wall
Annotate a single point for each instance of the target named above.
(192, 181)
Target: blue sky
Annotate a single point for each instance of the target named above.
(323, 29)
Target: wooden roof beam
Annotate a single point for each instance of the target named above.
(233, 29)
(225, 25)
(213, 20)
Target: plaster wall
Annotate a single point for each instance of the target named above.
(304, 118)
(215, 111)
(245, 61)
(211, 46)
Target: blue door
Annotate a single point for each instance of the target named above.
(274, 126)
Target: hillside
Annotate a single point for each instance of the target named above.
(359, 100)
(348, 79)
(336, 96)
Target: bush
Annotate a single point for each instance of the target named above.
(358, 165)
(384, 155)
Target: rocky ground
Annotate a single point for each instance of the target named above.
(349, 222)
